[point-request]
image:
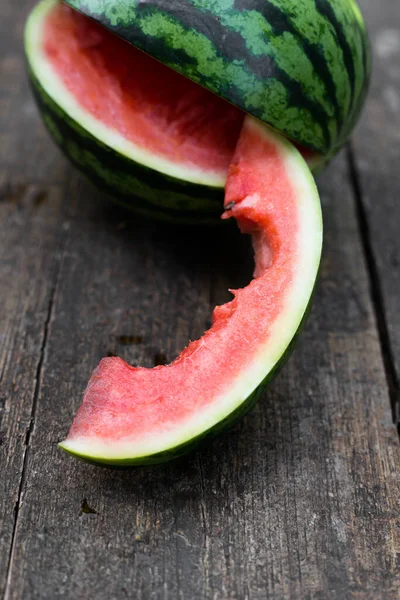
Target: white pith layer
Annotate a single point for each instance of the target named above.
(53, 85)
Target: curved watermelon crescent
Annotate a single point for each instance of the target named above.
(271, 193)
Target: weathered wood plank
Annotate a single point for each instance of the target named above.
(28, 267)
(377, 156)
(299, 501)
(30, 238)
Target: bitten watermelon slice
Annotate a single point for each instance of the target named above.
(140, 416)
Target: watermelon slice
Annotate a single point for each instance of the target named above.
(135, 415)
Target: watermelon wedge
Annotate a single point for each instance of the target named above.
(135, 416)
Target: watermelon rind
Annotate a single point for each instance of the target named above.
(154, 187)
(246, 386)
(301, 67)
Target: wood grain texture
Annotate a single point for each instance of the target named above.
(376, 158)
(300, 500)
(30, 241)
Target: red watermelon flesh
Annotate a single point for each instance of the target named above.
(149, 104)
(129, 414)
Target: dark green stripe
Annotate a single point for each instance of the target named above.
(281, 23)
(366, 60)
(325, 9)
(231, 46)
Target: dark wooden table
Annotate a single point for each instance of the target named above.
(301, 499)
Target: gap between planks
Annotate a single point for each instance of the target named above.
(375, 289)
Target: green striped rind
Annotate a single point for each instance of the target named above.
(302, 67)
(224, 425)
(146, 191)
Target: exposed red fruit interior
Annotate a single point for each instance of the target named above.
(148, 103)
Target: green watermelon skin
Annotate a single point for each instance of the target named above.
(301, 67)
(149, 193)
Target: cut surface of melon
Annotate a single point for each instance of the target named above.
(131, 102)
(129, 414)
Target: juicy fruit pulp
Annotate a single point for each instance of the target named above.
(151, 106)
(135, 415)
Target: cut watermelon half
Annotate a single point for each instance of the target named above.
(138, 416)
(135, 103)
(156, 140)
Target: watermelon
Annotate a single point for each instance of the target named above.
(145, 131)
(138, 416)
